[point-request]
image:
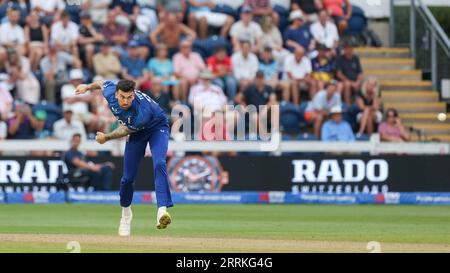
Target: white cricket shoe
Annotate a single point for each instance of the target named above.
(125, 222)
(163, 218)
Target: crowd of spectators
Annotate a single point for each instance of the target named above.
(183, 52)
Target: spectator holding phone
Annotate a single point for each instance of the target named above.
(392, 130)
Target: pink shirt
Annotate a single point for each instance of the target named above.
(335, 6)
(189, 67)
(385, 128)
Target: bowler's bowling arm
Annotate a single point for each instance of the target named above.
(121, 131)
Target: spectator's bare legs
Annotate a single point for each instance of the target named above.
(295, 92)
(90, 49)
(192, 21)
(203, 28)
(311, 86)
(366, 114)
(226, 27)
(347, 92)
(318, 117)
(36, 52)
(176, 92)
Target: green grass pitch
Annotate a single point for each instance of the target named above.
(227, 228)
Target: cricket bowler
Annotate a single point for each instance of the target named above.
(143, 121)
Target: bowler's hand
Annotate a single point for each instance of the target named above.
(100, 138)
(81, 89)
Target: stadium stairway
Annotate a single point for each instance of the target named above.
(402, 88)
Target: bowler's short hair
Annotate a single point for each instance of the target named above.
(126, 86)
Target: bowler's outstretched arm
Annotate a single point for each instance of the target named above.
(83, 88)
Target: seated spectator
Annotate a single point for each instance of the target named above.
(162, 67)
(177, 7)
(298, 71)
(245, 65)
(318, 109)
(260, 95)
(170, 32)
(107, 64)
(369, 105)
(309, 8)
(89, 39)
(78, 104)
(64, 34)
(134, 68)
(98, 10)
(323, 66)
(160, 96)
(40, 132)
(22, 124)
(12, 36)
(116, 33)
(220, 65)
(187, 66)
(208, 99)
(337, 129)
(27, 86)
(336, 9)
(246, 29)
(271, 70)
(66, 127)
(49, 10)
(261, 9)
(3, 131)
(392, 129)
(205, 95)
(272, 38)
(54, 67)
(349, 71)
(6, 102)
(126, 11)
(201, 14)
(36, 39)
(100, 175)
(298, 34)
(325, 32)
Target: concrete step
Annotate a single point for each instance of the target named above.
(416, 96)
(383, 52)
(400, 85)
(428, 118)
(388, 63)
(426, 128)
(417, 107)
(389, 74)
(432, 137)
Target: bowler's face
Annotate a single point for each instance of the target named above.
(125, 99)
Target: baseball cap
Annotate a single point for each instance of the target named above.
(40, 115)
(337, 109)
(133, 44)
(246, 9)
(76, 74)
(296, 14)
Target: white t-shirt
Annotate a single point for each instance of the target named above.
(244, 68)
(63, 35)
(64, 131)
(252, 32)
(11, 34)
(326, 35)
(321, 102)
(298, 69)
(211, 98)
(68, 91)
(48, 5)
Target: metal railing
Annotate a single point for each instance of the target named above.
(429, 44)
